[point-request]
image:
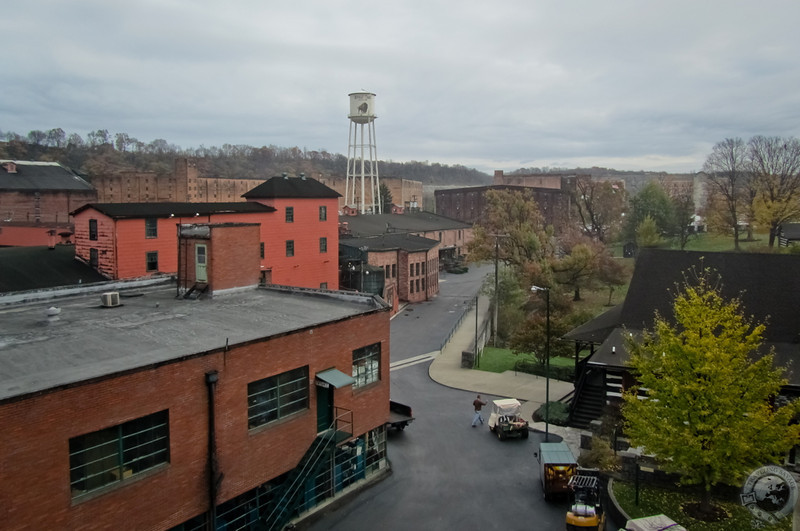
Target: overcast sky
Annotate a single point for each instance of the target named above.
(631, 85)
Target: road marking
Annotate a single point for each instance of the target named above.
(414, 360)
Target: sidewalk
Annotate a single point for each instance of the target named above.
(527, 388)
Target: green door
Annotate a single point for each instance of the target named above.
(324, 407)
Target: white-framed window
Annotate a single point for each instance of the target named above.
(277, 397)
(117, 453)
(151, 228)
(151, 259)
(366, 365)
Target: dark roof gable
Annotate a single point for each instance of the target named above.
(767, 285)
(165, 210)
(40, 177)
(291, 188)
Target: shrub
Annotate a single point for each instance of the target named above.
(559, 413)
(600, 455)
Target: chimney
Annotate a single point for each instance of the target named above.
(303, 176)
(285, 175)
(10, 167)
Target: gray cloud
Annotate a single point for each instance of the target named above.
(625, 84)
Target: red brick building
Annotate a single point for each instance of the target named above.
(35, 201)
(298, 239)
(452, 235)
(399, 267)
(141, 410)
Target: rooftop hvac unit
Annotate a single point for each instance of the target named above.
(110, 299)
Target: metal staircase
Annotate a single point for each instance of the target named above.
(317, 459)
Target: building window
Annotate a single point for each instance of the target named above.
(366, 365)
(289, 247)
(152, 261)
(277, 397)
(262, 250)
(93, 229)
(388, 270)
(151, 228)
(411, 286)
(93, 259)
(423, 268)
(394, 270)
(323, 245)
(323, 285)
(114, 454)
(323, 213)
(289, 214)
(411, 270)
(417, 268)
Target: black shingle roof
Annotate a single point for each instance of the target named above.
(389, 242)
(375, 224)
(41, 176)
(165, 210)
(291, 187)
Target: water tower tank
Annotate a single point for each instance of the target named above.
(362, 107)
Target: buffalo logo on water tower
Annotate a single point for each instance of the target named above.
(362, 107)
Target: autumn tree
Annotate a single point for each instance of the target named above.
(599, 206)
(775, 164)
(513, 231)
(581, 264)
(531, 337)
(707, 415)
(727, 175)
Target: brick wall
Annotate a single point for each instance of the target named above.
(234, 260)
(36, 431)
(308, 268)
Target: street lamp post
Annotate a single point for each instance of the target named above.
(546, 363)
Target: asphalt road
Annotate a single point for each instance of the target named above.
(446, 474)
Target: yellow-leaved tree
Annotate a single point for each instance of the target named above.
(710, 412)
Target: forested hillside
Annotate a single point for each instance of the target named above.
(101, 153)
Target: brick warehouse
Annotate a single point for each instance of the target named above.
(162, 412)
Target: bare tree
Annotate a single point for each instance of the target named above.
(726, 169)
(775, 163)
(599, 205)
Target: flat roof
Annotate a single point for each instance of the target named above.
(86, 341)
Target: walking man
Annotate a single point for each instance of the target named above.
(477, 404)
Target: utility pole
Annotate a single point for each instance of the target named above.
(496, 284)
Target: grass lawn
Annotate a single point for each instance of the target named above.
(660, 501)
(502, 359)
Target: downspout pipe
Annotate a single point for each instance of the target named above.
(214, 477)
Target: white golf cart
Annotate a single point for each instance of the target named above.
(505, 420)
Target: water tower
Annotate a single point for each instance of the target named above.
(362, 190)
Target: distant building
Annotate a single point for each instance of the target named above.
(183, 185)
(35, 201)
(405, 192)
(243, 410)
(529, 180)
(469, 204)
